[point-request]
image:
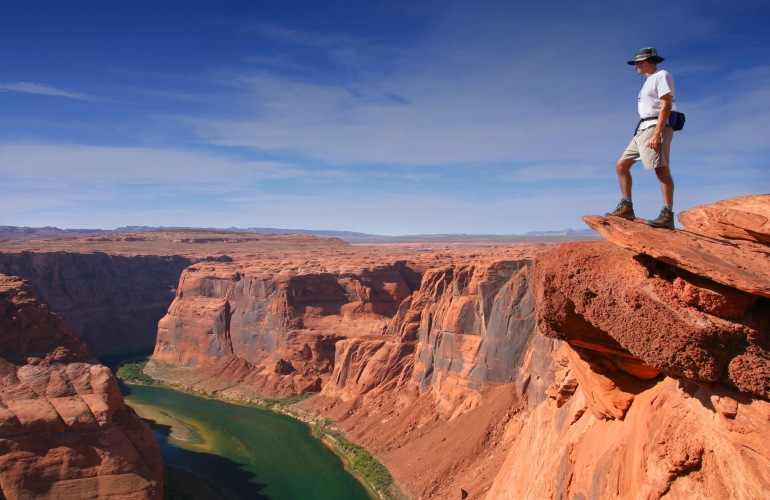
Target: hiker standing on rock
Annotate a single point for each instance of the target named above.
(652, 138)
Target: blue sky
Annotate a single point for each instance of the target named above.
(399, 117)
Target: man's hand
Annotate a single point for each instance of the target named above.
(666, 104)
(655, 140)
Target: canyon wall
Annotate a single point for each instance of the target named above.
(467, 327)
(65, 431)
(112, 302)
(239, 330)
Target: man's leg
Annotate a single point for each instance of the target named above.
(623, 168)
(666, 184)
(625, 208)
(666, 217)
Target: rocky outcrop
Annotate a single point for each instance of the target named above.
(661, 386)
(739, 264)
(726, 305)
(65, 431)
(112, 302)
(646, 317)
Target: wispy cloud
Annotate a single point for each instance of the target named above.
(73, 164)
(43, 89)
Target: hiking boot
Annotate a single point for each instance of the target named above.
(625, 210)
(664, 220)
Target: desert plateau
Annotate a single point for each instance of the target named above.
(636, 365)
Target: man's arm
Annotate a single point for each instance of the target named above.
(666, 103)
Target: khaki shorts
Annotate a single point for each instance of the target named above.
(651, 158)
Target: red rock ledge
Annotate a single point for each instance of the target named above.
(65, 431)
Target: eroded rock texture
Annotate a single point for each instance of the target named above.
(742, 218)
(645, 317)
(467, 327)
(434, 401)
(65, 431)
(675, 441)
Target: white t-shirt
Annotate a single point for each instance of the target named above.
(657, 85)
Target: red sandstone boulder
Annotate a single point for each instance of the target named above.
(639, 314)
(742, 218)
(65, 431)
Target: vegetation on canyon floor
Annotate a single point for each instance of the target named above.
(361, 463)
(132, 372)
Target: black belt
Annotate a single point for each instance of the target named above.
(642, 121)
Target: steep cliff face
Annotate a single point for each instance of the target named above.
(243, 329)
(675, 441)
(65, 431)
(614, 373)
(434, 400)
(468, 326)
(112, 302)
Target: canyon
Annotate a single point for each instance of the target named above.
(635, 367)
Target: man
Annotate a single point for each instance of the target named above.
(652, 139)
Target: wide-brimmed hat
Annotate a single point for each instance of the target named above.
(647, 54)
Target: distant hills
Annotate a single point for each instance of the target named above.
(48, 232)
(27, 233)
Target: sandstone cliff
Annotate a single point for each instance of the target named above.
(655, 385)
(65, 431)
(244, 329)
(112, 302)
(113, 289)
(434, 401)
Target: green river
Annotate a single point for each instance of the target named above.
(214, 449)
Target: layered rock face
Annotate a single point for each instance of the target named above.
(112, 302)
(468, 326)
(242, 328)
(65, 431)
(434, 400)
